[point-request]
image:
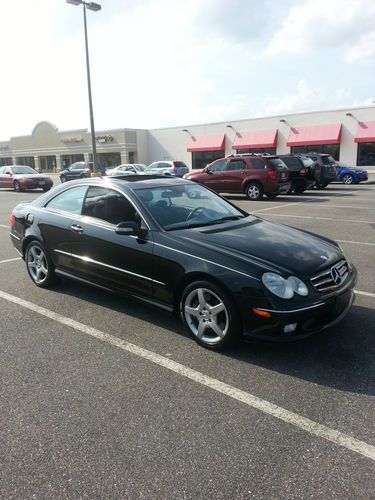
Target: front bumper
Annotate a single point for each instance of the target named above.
(308, 320)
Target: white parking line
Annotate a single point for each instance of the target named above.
(9, 260)
(307, 425)
(366, 294)
(356, 242)
(278, 206)
(3, 225)
(322, 218)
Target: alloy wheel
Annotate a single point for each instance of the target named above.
(254, 192)
(206, 316)
(37, 264)
(347, 179)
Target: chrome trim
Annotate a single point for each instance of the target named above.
(14, 236)
(292, 310)
(92, 261)
(206, 260)
(88, 282)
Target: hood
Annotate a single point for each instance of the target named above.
(265, 244)
(191, 175)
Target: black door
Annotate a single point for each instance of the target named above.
(100, 254)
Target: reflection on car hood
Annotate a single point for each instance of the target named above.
(267, 244)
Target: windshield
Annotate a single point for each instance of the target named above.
(187, 205)
(23, 170)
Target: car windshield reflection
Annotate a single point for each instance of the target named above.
(187, 206)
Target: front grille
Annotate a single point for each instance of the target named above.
(331, 278)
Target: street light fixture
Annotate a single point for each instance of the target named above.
(94, 7)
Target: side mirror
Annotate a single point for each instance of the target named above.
(130, 228)
(208, 170)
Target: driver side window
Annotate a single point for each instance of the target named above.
(218, 166)
(110, 206)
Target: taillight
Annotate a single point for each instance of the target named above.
(271, 174)
(302, 172)
(12, 219)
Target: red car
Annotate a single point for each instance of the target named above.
(21, 177)
(252, 175)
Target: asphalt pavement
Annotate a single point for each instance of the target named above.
(103, 397)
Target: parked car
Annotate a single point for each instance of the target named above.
(252, 175)
(325, 169)
(77, 170)
(127, 169)
(351, 175)
(176, 168)
(299, 173)
(21, 177)
(184, 248)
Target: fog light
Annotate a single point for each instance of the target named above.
(290, 328)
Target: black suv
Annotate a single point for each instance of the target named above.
(325, 169)
(300, 175)
(77, 170)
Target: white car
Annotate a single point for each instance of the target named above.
(166, 167)
(126, 169)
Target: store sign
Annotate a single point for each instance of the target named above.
(71, 139)
(104, 138)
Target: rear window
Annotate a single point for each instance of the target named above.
(276, 163)
(293, 163)
(180, 164)
(328, 160)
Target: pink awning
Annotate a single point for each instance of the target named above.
(255, 139)
(319, 134)
(206, 143)
(365, 132)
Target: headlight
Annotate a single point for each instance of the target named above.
(284, 288)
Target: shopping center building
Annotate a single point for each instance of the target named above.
(347, 134)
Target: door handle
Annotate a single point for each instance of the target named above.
(76, 228)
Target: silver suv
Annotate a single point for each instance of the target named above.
(166, 167)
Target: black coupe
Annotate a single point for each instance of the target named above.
(178, 245)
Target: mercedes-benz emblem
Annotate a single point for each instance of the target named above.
(336, 276)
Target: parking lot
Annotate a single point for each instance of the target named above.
(106, 397)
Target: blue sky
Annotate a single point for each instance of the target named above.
(157, 63)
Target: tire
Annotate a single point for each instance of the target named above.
(17, 187)
(83, 176)
(209, 315)
(347, 179)
(39, 265)
(272, 196)
(45, 189)
(321, 185)
(299, 190)
(62, 178)
(254, 191)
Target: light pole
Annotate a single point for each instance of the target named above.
(95, 7)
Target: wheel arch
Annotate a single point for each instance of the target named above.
(246, 182)
(28, 240)
(193, 276)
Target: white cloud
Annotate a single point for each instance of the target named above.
(308, 97)
(363, 50)
(323, 24)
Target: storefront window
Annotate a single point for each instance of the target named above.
(270, 151)
(331, 149)
(366, 153)
(107, 160)
(202, 158)
(26, 160)
(47, 163)
(5, 161)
